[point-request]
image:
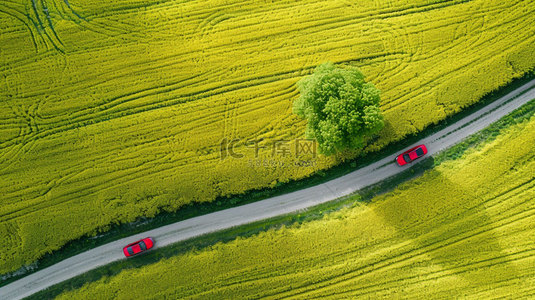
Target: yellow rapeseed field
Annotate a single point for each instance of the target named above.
(111, 110)
(465, 229)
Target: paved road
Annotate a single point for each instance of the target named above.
(267, 208)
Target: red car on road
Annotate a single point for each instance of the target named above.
(411, 154)
(138, 247)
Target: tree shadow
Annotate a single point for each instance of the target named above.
(445, 235)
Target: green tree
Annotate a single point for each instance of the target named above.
(341, 108)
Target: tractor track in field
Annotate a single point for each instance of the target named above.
(292, 202)
(83, 117)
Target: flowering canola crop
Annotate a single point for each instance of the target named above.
(111, 110)
(463, 230)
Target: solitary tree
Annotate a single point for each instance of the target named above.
(340, 106)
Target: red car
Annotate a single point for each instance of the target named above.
(138, 247)
(411, 154)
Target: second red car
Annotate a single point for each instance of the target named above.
(411, 154)
(138, 247)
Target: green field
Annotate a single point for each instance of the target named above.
(465, 229)
(114, 110)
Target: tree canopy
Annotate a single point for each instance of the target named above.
(341, 108)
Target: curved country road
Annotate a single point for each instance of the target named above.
(271, 207)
